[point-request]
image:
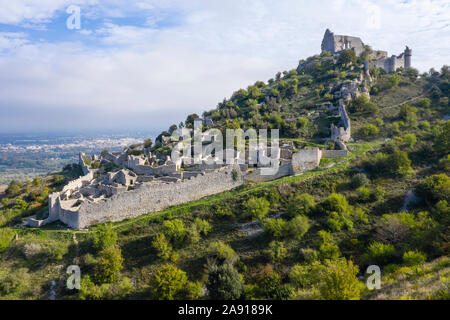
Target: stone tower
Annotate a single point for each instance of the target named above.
(408, 54)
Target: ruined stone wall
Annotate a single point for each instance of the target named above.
(256, 176)
(342, 133)
(306, 159)
(334, 153)
(84, 166)
(155, 171)
(153, 197)
(78, 183)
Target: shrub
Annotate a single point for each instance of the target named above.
(435, 188)
(223, 211)
(5, 202)
(364, 105)
(269, 284)
(222, 252)
(424, 103)
(90, 291)
(168, 282)
(14, 282)
(257, 208)
(409, 115)
(393, 81)
(234, 175)
(347, 57)
(224, 283)
(108, 265)
(301, 204)
(359, 180)
(55, 251)
(104, 237)
(410, 140)
(202, 226)
(364, 194)
(306, 276)
(328, 249)
(339, 281)
(275, 227)
(277, 251)
(298, 226)
(163, 247)
(414, 258)
(6, 236)
(338, 211)
(442, 139)
(379, 253)
(391, 230)
(370, 131)
(36, 181)
(425, 125)
(192, 291)
(175, 230)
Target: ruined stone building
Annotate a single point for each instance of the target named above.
(337, 43)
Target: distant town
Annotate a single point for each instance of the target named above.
(27, 156)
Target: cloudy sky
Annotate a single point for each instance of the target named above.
(145, 64)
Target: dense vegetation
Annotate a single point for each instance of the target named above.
(306, 237)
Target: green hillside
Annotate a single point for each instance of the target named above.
(310, 236)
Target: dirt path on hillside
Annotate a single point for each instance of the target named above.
(76, 260)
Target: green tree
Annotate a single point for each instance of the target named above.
(275, 227)
(36, 181)
(339, 281)
(435, 188)
(370, 131)
(175, 230)
(410, 139)
(298, 226)
(301, 204)
(424, 103)
(202, 226)
(347, 57)
(277, 251)
(359, 180)
(222, 252)
(13, 189)
(224, 283)
(168, 282)
(163, 247)
(442, 140)
(104, 237)
(414, 258)
(379, 253)
(398, 163)
(393, 81)
(148, 143)
(109, 265)
(256, 208)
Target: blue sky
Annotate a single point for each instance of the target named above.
(144, 65)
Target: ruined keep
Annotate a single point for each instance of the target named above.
(337, 43)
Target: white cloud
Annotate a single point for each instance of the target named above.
(191, 54)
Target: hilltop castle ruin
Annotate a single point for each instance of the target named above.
(338, 43)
